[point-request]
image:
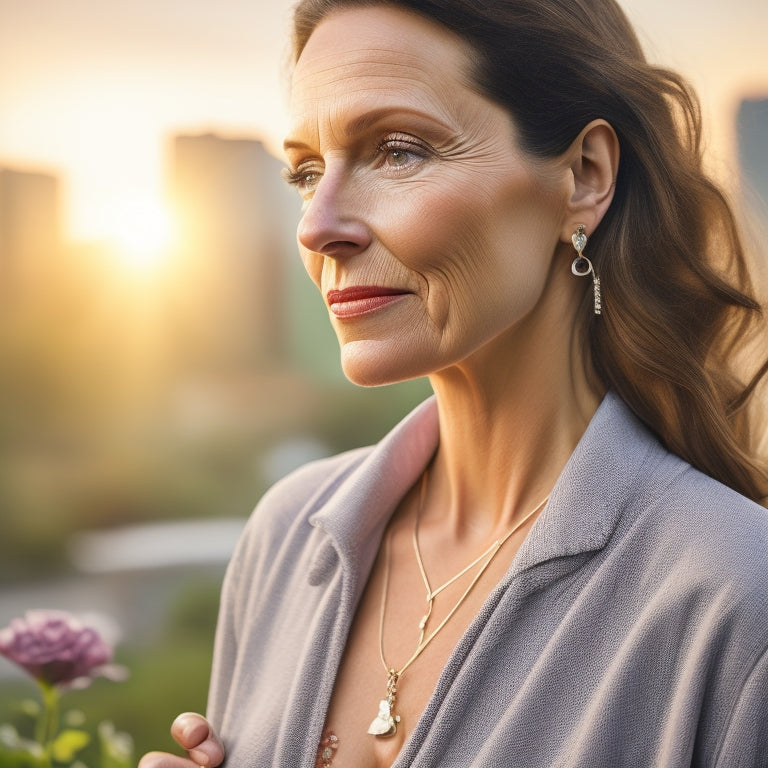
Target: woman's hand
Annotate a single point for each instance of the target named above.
(194, 733)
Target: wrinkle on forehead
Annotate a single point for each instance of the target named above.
(362, 104)
(326, 68)
(324, 71)
(382, 32)
(376, 67)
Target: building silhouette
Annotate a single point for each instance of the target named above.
(237, 223)
(752, 128)
(30, 237)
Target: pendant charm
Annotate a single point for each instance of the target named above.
(385, 723)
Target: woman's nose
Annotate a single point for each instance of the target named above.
(332, 224)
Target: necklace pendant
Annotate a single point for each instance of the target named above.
(385, 723)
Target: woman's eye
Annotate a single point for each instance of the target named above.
(303, 179)
(401, 154)
(398, 157)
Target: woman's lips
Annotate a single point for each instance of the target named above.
(361, 300)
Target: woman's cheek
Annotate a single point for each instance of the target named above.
(313, 263)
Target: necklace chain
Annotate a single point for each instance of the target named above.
(432, 594)
(385, 723)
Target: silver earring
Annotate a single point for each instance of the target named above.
(582, 266)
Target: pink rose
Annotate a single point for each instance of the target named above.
(55, 648)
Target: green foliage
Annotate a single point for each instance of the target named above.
(116, 749)
(54, 748)
(17, 752)
(67, 744)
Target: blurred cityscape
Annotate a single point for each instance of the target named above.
(178, 391)
(144, 411)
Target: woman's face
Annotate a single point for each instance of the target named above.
(427, 230)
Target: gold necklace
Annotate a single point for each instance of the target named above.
(386, 721)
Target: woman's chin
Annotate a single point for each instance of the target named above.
(378, 363)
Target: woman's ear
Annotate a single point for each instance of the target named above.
(594, 165)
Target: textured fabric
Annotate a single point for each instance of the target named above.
(630, 630)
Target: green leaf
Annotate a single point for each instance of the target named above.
(67, 744)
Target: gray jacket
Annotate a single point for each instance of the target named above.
(630, 630)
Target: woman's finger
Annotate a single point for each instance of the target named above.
(165, 760)
(195, 734)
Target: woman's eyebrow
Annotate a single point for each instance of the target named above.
(294, 144)
(367, 119)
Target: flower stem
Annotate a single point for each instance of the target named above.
(48, 725)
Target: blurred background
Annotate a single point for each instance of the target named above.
(163, 358)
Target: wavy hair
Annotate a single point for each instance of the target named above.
(679, 310)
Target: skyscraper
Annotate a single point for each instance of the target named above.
(752, 125)
(236, 224)
(30, 236)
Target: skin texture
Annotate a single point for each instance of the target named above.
(416, 190)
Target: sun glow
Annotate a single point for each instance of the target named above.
(143, 232)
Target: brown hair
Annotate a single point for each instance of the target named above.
(678, 307)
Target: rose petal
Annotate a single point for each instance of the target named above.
(55, 647)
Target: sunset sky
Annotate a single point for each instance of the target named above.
(91, 89)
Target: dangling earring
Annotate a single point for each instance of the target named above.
(582, 266)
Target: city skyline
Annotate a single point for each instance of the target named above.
(94, 93)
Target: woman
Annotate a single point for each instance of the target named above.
(505, 197)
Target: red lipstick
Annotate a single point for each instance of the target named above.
(362, 299)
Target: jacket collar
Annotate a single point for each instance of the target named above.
(607, 467)
(611, 464)
(356, 514)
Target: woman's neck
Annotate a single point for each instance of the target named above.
(509, 420)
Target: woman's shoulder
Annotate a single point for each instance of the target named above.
(707, 522)
(664, 494)
(718, 506)
(624, 485)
